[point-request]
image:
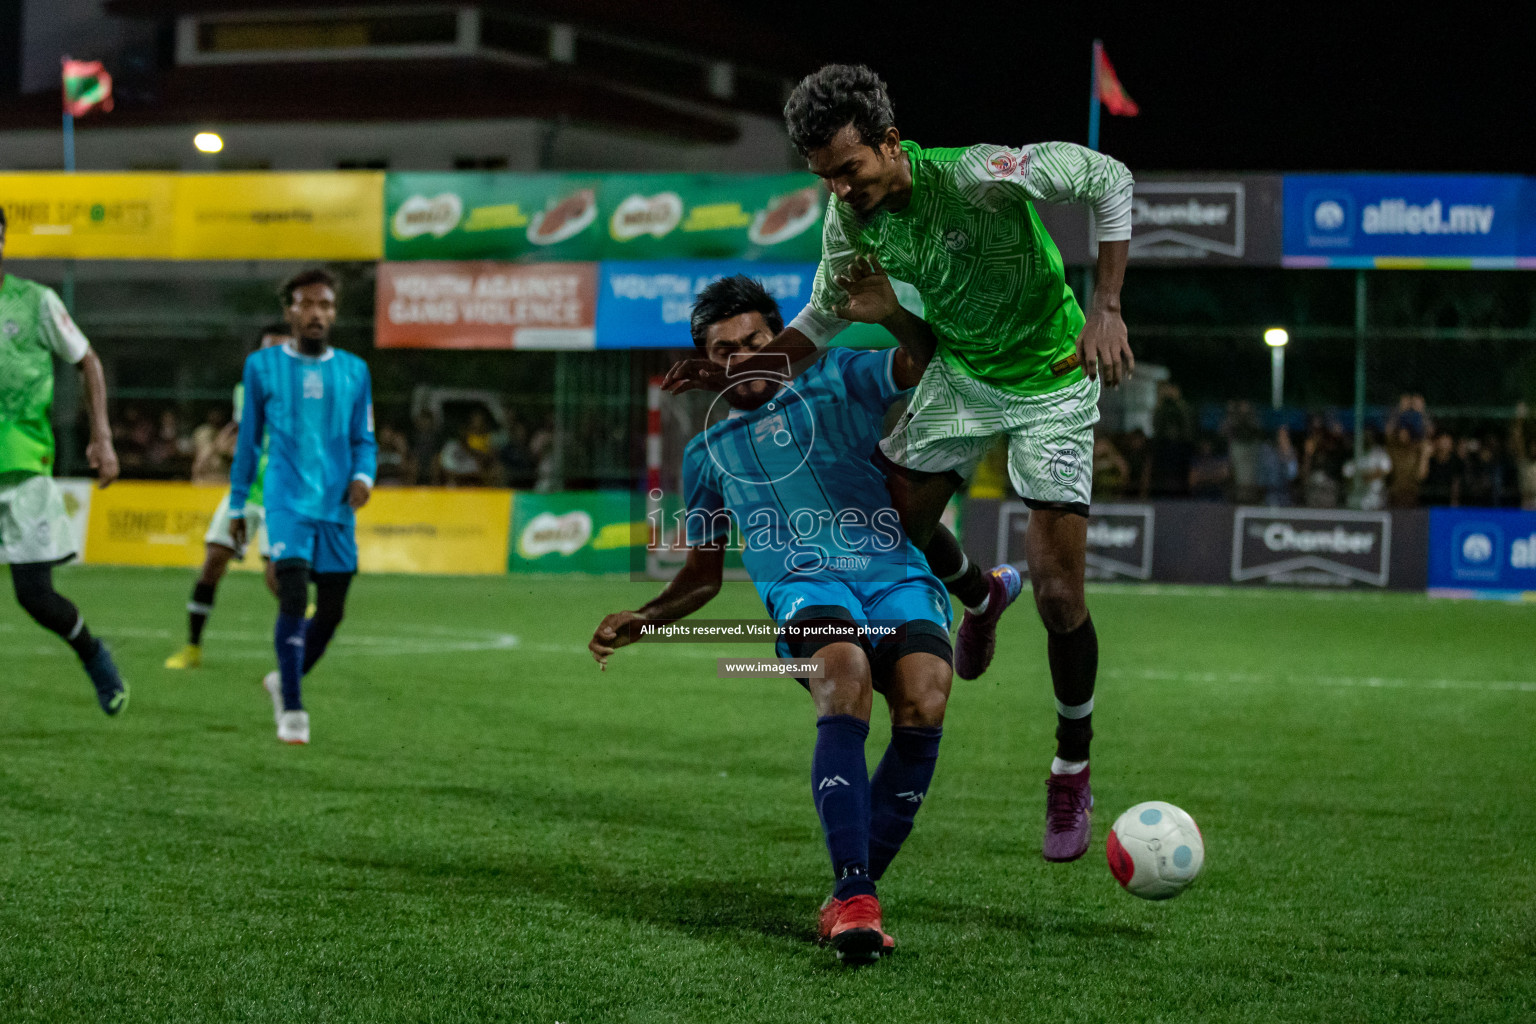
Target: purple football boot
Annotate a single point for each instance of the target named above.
(1068, 809)
(978, 633)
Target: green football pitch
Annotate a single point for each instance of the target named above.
(487, 828)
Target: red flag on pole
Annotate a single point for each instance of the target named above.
(1111, 93)
(86, 87)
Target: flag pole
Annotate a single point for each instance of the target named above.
(69, 142)
(1093, 96)
(68, 288)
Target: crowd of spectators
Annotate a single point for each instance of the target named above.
(154, 443)
(1408, 461)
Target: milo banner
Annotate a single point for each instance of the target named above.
(505, 216)
(491, 216)
(577, 531)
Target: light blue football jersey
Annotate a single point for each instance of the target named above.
(317, 415)
(794, 478)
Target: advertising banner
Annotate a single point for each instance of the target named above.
(527, 217)
(435, 530)
(1119, 540)
(1184, 221)
(1194, 542)
(88, 216)
(141, 522)
(1402, 220)
(320, 216)
(1311, 547)
(647, 305)
(1482, 553)
(465, 216)
(577, 531)
(432, 304)
(712, 216)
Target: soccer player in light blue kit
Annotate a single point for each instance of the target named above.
(791, 470)
(314, 403)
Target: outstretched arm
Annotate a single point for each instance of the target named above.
(694, 586)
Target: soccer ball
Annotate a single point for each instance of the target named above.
(1155, 850)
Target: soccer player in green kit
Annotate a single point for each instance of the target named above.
(1017, 357)
(34, 528)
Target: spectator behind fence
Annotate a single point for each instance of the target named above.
(1323, 453)
(1479, 484)
(1111, 473)
(517, 462)
(213, 447)
(1277, 468)
(1439, 472)
(1209, 472)
(395, 469)
(1173, 442)
(1522, 447)
(1137, 450)
(1406, 454)
(1373, 470)
(461, 465)
(1244, 437)
(424, 448)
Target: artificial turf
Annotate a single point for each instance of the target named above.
(485, 827)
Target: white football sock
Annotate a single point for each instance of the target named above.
(1060, 767)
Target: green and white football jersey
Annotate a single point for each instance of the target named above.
(991, 279)
(34, 327)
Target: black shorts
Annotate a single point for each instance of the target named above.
(918, 636)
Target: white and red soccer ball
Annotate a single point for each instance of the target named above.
(1155, 850)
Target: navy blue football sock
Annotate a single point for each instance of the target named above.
(840, 786)
(330, 606)
(898, 789)
(288, 638)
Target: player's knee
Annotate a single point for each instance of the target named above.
(845, 687)
(1061, 604)
(922, 708)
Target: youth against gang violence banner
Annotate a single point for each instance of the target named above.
(480, 305)
(532, 217)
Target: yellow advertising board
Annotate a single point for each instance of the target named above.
(311, 216)
(140, 522)
(315, 216)
(433, 530)
(88, 216)
(414, 529)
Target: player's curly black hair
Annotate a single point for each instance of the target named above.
(836, 96)
(728, 297)
(304, 278)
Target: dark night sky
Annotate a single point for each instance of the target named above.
(1295, 87)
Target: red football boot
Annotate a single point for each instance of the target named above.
(852, 927)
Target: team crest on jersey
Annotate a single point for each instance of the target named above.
(314, 384)
(1007, 164)
(1065, 464)
(956, 240)
(10, 328)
